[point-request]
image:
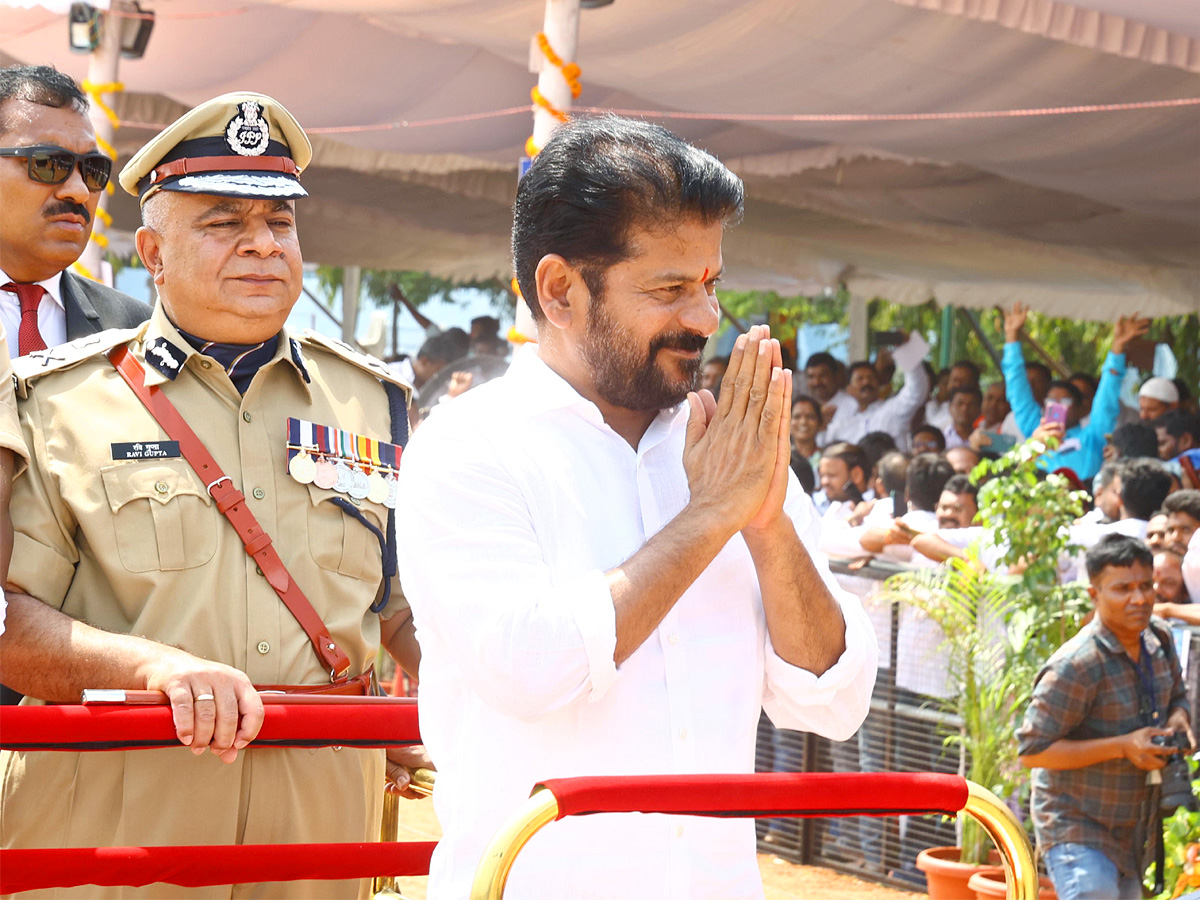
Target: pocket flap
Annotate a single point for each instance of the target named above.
(162, 480)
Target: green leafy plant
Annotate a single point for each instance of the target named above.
(1001, 629)
(1180, 831)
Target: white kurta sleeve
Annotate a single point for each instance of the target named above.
(835, 703)
(528, 641)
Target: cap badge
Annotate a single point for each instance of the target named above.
(248, 133)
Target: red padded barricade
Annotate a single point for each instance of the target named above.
(767, 794)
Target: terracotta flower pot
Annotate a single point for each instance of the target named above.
(989, 883)
(945, 876)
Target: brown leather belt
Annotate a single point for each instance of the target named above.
(232, 504)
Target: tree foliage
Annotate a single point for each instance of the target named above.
(1080, 346)
(418, 287)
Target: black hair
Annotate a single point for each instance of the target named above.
(446, 346)
(1075, 392)
(1135, 439)
(598, 179)
(822, 359)
(873, 445)
(1107, 472)
(1041, 368)
(43, 85)
(934, 430)
(804, 472)
(927, 476)
(809, 401)
(1186, 502)
(893, 470)
(1145, 484)
(961, 484)
(1179, 422)
(972, 389)
(861, 364)
(1118, 550)
(1091, 380)
(972, 367)
(1185, 392)
(850, 454)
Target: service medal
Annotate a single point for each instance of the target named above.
(325, 476)
(360, 486)
(393, 495)
(345, 477)
(378, 489)
(302, 468)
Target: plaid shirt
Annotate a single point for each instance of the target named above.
(1090, 688)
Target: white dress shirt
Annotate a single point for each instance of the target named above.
(894, 415)
(52, 315)
(520, 498)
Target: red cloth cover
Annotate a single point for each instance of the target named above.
(804, 794)
(352, 723)
(26, 870)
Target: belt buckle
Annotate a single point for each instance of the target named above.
(209, 487)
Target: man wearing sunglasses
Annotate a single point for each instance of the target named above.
(51, 176)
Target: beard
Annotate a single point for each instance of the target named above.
(630, 379)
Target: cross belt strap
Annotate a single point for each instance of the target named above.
(231, 503)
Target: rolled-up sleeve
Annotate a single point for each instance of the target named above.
(1061, 700)
(835, 703)
(527, 640)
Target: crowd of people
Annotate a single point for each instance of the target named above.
(611, 559)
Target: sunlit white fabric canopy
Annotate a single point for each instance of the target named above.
(1082, 214)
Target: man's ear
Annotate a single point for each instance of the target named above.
(861, 481)
(562, 294)
(149, 249)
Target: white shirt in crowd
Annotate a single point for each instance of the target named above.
(52, 315)
(893, 415)
(520, 498)
(1191, 568)
(937, 414)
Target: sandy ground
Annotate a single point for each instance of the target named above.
(782, 880)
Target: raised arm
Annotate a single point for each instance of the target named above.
(1106, 406)
(1020, 397)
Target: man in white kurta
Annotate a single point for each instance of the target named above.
(599, 588)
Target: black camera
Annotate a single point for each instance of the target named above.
(1176, 779)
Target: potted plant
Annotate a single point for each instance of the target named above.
(999, 630)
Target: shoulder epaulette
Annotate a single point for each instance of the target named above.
(29, 368)
(342, 350)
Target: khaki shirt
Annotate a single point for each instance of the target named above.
(10, 428)
(138, 546)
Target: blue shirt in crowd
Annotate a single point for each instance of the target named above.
(1082, 448)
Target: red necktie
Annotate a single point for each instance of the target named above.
(28, 336)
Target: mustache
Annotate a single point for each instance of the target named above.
(678, 340)
(68, 208)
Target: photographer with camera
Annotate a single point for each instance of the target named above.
(1108, 725)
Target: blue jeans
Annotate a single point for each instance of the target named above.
(1080, 872)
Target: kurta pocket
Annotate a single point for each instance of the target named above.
(162, 515)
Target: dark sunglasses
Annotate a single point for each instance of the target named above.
(53, 165)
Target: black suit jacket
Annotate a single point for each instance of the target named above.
(92, 307)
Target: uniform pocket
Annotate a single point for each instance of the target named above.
(161, 514)
(341, 543)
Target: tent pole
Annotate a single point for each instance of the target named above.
(858, 328)
(103, 63)
(946, 341)
(973, 323)
(561, 27)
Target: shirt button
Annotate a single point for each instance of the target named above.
(161, 487)
(678, 831)
(247, 416)
(674, 639)
(204, 363)
(683, 734)
(264, 647)
(259, 493)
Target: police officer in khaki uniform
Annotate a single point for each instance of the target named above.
(116, 528)
(11, 445)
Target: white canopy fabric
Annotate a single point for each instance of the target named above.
(1084, 214)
